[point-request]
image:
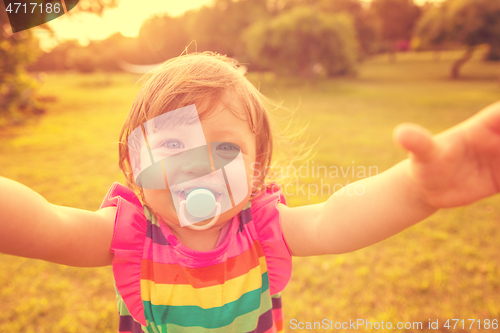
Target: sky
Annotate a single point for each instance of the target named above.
(126, 19)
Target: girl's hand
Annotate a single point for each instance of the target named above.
(458, 166)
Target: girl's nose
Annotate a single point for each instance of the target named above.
(197, 167)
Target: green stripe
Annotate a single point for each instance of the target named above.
(217, 317)
(244, 323)
(150, 217)
(122, 308)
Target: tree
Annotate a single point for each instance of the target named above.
(475, 22)
(161, 38)
(219, 28)
(103, 55)
(301, 39)
(17, 50)
(431, 29)
(398, 19)
(469, 22)
(56, 59)
(365, 22)
(16, 86)
(96, 6)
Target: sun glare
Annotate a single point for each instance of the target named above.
(127, 19)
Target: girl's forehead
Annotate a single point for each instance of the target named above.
(226, 119)
(221, 117)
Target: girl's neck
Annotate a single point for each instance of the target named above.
(199, 240)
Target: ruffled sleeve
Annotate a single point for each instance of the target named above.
(127, 246)
(266, 219)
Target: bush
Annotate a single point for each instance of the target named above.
(301, 40)
(17, 87)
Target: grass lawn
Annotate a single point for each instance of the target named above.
(444, 268)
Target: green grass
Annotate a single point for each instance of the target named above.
(445, 267)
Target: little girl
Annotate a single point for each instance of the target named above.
(199, 239)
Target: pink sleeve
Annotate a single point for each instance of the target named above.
(127, 246)
(266, 219)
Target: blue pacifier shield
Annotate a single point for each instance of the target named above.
(200, 202)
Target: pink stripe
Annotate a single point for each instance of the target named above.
(158, 253)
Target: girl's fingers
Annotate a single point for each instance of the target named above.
(417, 140)
(491, 117)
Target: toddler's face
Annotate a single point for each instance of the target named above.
(214, 154)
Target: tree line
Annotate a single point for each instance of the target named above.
(286, 36)
(298, 37)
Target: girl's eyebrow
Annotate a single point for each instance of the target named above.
(223, 133)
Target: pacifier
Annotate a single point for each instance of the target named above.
(199, 203)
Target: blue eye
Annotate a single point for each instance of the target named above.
(228, 147)
(174, 144)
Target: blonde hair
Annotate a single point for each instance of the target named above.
(201, 79)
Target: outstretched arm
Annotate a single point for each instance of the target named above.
(32, 227)
(454, 168)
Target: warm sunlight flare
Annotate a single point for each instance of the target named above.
(126, 19)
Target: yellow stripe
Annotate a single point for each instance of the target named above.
(206, 298)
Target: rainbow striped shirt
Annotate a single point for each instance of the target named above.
(164, 286)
